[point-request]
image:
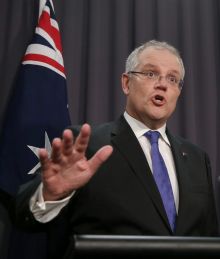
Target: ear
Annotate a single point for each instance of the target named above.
(125, 80)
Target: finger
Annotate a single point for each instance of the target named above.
(100, 157)
(82, 140)
(56, 154)
(67, 142)
(43, 157)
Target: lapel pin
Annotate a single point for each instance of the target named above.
(184, 154)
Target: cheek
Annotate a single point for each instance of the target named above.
(139, 98)
(173, 100)
(140, 92)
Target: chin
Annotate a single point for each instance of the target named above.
(160, 114)
(159, 119)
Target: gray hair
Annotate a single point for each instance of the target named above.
(133, 59)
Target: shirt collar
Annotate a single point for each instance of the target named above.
(140, 128)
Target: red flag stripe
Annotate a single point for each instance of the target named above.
(44, 59)
(45, 24)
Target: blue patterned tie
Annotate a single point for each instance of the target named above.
(161, 178)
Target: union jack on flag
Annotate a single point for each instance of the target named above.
(46, 50)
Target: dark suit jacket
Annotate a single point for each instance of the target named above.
(122, 197)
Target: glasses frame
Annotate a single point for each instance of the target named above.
(179, 84)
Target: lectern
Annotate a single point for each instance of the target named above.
(138, 247)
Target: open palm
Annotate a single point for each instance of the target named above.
(68, 169)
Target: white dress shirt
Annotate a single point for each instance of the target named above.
(45, 211)
(139, 130)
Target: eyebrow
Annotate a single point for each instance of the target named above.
(148, 65)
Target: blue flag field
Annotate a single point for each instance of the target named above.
(37, 112)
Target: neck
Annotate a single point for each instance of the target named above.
(151, 124)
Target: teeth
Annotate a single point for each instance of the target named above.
(158, 97)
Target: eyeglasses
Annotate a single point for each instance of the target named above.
(155, 76)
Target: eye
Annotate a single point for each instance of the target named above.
(151, 74)
(172, 79)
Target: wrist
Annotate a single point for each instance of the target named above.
(48, 196)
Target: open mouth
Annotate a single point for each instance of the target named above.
(158, 100)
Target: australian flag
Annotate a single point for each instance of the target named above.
(38, 108)
(37, 112)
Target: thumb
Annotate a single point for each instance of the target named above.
(100, 157)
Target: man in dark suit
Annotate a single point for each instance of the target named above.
(103, 182)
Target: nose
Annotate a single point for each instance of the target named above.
(161, 83)
(162, 79)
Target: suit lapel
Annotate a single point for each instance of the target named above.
(180, 159)
(125, 141)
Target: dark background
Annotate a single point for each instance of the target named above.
(98, 35)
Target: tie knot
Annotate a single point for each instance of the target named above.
(153, 136)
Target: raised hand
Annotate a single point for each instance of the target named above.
(68, 169)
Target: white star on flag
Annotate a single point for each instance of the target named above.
(35, 150)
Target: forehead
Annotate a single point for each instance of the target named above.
(160, 58)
